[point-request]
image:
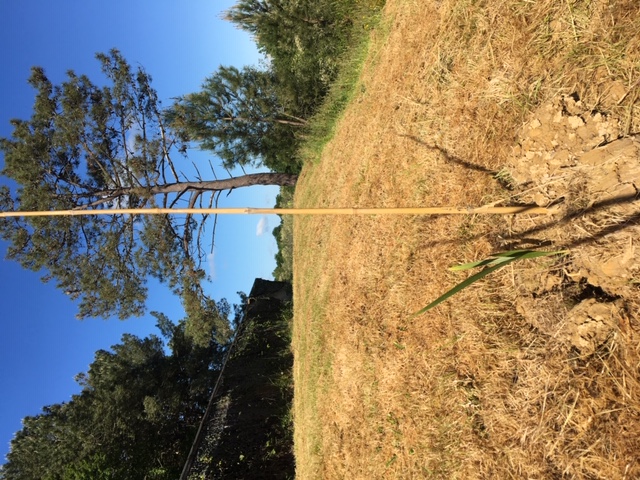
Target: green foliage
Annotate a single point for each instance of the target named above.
(94, 467)
(491, 264)
(342, 91)
(76, 152)
(98, 147)
(315, 51)
(258, 383)
(239, 116)
(71, 154)
(135, 417)
(304, 42)
(92, 147)
(283, 234)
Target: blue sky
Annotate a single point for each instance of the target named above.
(42, 345)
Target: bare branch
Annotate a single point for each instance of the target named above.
(213, 172)
(201, 227)
(301, 120)
(264, 120)
(123, 133)
(175, 200)
(166, 148)
(194, 198)
(199, 177)
(97, 162)
(186, 238)
(98, 202)
(215, 220)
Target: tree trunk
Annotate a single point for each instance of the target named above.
(298, 123)
(281, 179)
(270, 178)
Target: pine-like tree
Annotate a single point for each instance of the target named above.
(239, 116)
(90, 147)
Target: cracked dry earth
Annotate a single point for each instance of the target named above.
(578, 161)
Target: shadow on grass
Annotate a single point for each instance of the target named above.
(519, 240)
(451, 158)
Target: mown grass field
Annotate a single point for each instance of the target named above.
(474, 388)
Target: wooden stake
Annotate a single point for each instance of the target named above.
(534, 210)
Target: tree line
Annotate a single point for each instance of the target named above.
(137, 413)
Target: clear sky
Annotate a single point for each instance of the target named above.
(42, 345)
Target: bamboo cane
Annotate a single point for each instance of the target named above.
(486, 210)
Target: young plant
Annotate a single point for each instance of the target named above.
(491, 264)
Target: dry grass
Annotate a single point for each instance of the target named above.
(474, 388)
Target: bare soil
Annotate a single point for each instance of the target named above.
(535, 371)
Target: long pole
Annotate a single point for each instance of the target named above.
(293, 211)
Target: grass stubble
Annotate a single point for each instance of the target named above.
(471, 389)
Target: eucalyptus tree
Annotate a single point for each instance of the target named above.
(277, 22)
(100, 147)
(303, 41)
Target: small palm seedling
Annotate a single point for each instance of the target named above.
(491, 264)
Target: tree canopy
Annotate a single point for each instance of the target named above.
(136, 415)
(303, 41)
(99, 147)
(239, 116)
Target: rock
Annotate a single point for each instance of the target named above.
(575, 122)
(589, 324)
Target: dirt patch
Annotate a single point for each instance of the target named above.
(568, 153)
(577, 160)
(590, 323)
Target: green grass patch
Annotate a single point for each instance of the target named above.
(346, 86)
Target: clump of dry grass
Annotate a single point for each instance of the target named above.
(475, 388)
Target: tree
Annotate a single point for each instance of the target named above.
(135, 417)
(255, 15)
(303, 41)
(239, 116)
(91, 147)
